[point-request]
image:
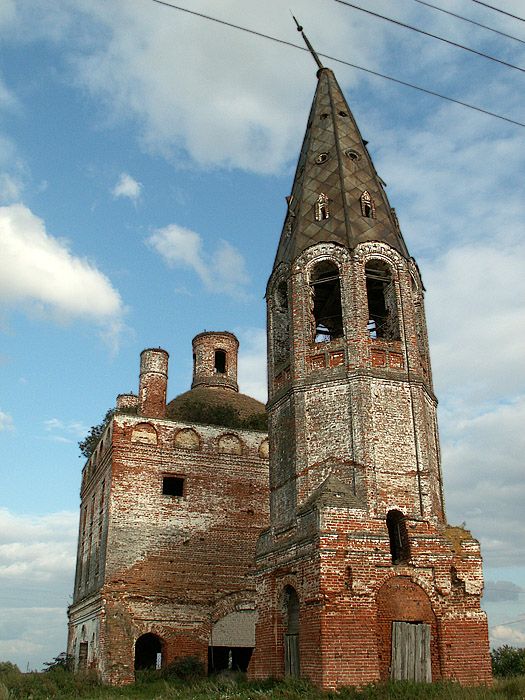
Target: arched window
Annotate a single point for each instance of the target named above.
(383, 320)
(219, 364)
(420, 324)
(291, 633)
(325, 289)
(281, 324)
(148, 651)
(398, 535)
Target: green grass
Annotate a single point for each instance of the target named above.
(61, 684)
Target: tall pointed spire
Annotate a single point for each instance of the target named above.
(337, 195)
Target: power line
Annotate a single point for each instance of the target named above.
(339, 60)
(498, 9)
(512, 622)
(472, 21)
(433, 36)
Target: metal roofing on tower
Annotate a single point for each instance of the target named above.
(337, 195)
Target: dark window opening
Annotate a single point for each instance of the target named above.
(281, 325)
(291, 636)
(322, 158)
(353, 155)
(326, 293)
(397, 532)
(229, 659)
(173, 486)
(220, 362)
(282, 296)
(342, 114)
(83, 655)
(383, 321)
(148, 652)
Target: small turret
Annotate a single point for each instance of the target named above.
(215, 360)
(153, 383)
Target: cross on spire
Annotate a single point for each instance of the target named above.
(310, 47)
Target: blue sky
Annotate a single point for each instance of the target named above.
(144, 159)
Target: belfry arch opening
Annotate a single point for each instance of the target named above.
(219, 362)
(398, 535)
(281, 324)
(291, 634)
(383, 318)
(325, 288)
(148, 652)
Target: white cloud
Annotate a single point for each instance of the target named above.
(223, 270)
(252, 363)
(145, 61)
(13, 171)
(477, 320)
(127, 187)
(73, 427)
(7, 98)
(39, 270)
(37, 559)
(10, 188)
(6, 422)
(483, 469)
(504, 634)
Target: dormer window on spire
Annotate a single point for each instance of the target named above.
(321, 207)
(368, 207)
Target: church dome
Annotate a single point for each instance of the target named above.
(215, 405)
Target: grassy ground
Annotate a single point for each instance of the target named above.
(60, 684)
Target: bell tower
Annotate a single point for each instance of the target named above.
(359, 569)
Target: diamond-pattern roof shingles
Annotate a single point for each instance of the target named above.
(343, 176)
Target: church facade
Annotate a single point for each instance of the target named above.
(173, 499)
(321, 550)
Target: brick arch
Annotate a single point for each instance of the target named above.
(382, 251)
(322, 251)
(400, 599)
(230, 443)
(230, 602)
(279, 275)
(187, 439)
(264, 449)
(144, 433)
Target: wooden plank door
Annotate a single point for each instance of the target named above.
(291, 655)
(411, 652)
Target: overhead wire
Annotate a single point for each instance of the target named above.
(498, 9)
(433, 36)
(339, 60)
(471, 21)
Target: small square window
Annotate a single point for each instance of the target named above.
(173, 486)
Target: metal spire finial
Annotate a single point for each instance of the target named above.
(310, 47)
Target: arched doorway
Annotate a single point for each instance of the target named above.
(148, 652)
(291, 633)
(407, 632)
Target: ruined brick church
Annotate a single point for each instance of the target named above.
(320, 549)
